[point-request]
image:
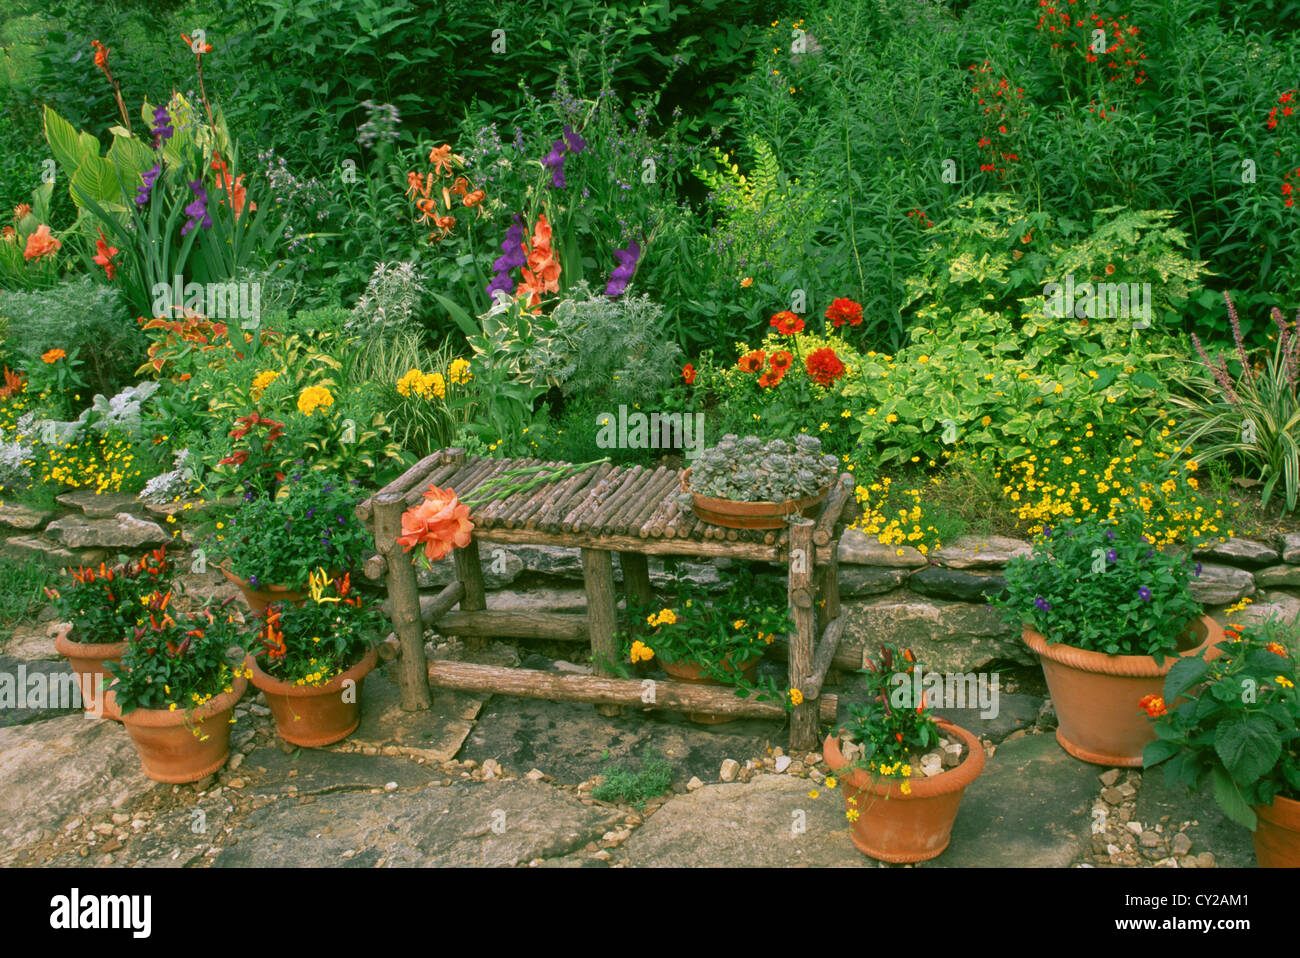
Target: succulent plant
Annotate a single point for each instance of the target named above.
(749, 470)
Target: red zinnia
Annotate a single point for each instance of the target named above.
(843, 311)
(824, 367)
(771, 377)
(781, 361)
(752, 362)
(688, 373)
(787, 323)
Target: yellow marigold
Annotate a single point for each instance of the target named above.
(796, 697)
(313, 398)
(641, 652)
(263, 380)
(852, 814)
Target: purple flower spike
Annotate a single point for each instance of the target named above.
(622, 273)
(198, 210)
(1144, 594)
(162, 128)
(1197, 573)
(575, 143)
(149, 177)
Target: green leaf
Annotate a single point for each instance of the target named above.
(63, 140)
(1248, 747)
(459, 315)
(1229, 798)
(1185, 673)
(1158, 751)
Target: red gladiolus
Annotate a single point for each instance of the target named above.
(104, 256)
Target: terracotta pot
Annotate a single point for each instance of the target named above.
(1277, 836)
(734, 514)
(694, 673)
(258, 599)
(899, 828)
(1096, 695)
(315, 715)
(171, 745)
(87, 660)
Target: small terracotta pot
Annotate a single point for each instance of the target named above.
(734, 514)
(258, 599)
(1096, 695)
(171, 745)
(693, 672)
(899, 828)
(87, 660)
(313, 716)
(1277, 835)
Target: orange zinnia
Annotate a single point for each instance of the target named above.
(53, 356)
(40, 244)
(752, 362)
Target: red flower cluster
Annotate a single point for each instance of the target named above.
(1286, 99)
(1123, 49)
(1153, 705)
(843, 311)
(996, 97)
(787, 323)
(924, 220)
(752, 362)
(824, 367)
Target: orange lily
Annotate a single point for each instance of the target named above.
(440, 157)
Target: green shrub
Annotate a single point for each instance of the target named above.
(634, 785)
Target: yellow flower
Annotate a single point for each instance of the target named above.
(261, 381)
(738, 624)
(830, 782)
(313, 398)
(796, 697)
(891, 418)
(1286, 683)
(906, 788)
(641, 652)
(986, 420)
(458, 372)
(852, 814)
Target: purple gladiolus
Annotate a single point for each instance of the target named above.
(622, 274)
(554, 161)
(162, 128)
(1042, 604)
(512, 258)
(575, 143)
(146, 190)
(1144, 594)
(198, 210)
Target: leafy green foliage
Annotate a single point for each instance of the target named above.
(890, 727)
(634, 785)
(1239, 723)
(106, 605)
(22, 596)
(1102, 586)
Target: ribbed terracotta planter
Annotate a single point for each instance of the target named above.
(734, 514)
(1277, 834)
(694, 673)
(313, 716)
(258, 599)
(167, 744)
(899, 828)
(1096, 695)
(87, 660)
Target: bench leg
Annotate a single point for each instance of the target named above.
(602, 616)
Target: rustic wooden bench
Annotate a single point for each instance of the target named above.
(601, 510)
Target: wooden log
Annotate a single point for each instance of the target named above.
(552, 519)
(754, 551)
(401, 484)
(462, 476)
(595, 520)
(389, 649)
(374, 567)
(512, 515)
(563, 493)
(493, 468)
(437, 478)
(831, 509)
(602, 615)
(822, 659)
(592, 498)
(636, 576)
(645, 694)
(470, 574)
(493, 510)
(828, 588)
(803, 719)
(648, 500)
(621, 512)
(667, 509)
(404, 600)
(434, 607)
(557, 626)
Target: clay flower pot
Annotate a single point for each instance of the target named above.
(1277, 835)
(257, 599)
(315, 715)
(693, 672)
(168, 745)
(734, 514)
(899, 828)
(1096, 695)
(87, 660)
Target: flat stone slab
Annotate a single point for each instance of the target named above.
(61, 767)
(980, 552)
(32, 642)
(1291, 547)
(856, 580)
(1273, 604)
(1278, 575)
(101, 505)
(770, 822)
(941, 582)
(122, 531)
(1221, 584)
(1231, 843)
(858, 548)
(435, 734)
(16, 516)
(1030, 808)
(33, 547)
(571, 742)
(946, 636)
(35, 690)
(478, 824)
(318, 771)
(1240, 552)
